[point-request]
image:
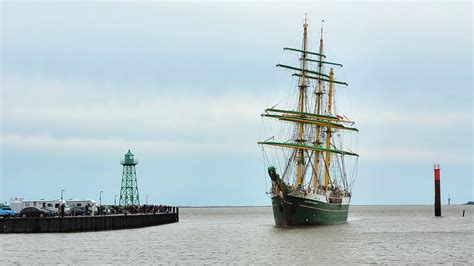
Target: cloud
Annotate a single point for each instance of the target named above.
(414, 155)
(395, 116)
(113, 145)
(62, 115)
(48, 104)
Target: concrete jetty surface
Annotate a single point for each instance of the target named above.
(85, 223)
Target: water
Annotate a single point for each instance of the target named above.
(374, 234)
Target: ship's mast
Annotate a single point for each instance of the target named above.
(302, 86)
(318, 111)
(328, 132)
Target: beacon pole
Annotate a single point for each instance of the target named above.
(437, 190)
(100, 202)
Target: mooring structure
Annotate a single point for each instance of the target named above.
(437, 204)
(129, 189)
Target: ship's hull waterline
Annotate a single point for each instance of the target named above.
(296, 211)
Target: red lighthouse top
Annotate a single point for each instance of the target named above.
(436, 172)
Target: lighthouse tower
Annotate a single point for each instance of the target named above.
(129, 190)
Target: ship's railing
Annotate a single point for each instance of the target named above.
(129, 162)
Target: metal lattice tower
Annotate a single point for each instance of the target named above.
(129, 190)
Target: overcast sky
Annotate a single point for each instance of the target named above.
(183, 84)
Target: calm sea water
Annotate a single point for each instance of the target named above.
(374, 234)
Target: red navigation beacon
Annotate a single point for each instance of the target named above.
(437, 190)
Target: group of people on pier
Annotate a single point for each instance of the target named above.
(136, 209)
(133, 209)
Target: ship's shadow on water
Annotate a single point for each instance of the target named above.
(312, 227)
(307, 227)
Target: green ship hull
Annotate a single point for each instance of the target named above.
(296, 211)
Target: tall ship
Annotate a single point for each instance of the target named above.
(311, 161)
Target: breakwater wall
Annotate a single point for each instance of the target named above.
(84, 223)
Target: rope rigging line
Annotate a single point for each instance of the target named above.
(265, 159)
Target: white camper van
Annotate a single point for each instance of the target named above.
(18, 204)
(91, 205)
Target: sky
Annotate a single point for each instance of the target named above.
(183, 85)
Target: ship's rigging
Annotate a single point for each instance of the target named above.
(314, 151)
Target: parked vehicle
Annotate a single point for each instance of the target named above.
(89, 206)
(35, 212)
(6, 211)
(51, 213)
(77, 211)
(19, 204)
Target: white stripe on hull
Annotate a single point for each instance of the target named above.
(317, 197)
